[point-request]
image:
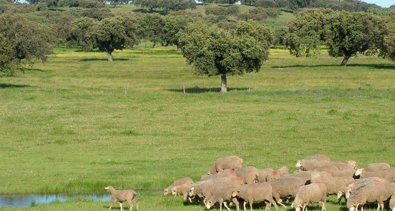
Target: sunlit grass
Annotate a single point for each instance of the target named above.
(78, 123)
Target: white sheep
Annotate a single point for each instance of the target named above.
(392, 202)
(221, 195)
(259, 192)
(286, 187)
(249, 174)
(311, 193)
(377, 166)
(375, 191)
(230, 162)
(313, 162)
(121, 196)
(182, 181)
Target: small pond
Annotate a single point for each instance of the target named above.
(31, 200)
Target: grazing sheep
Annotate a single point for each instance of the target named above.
(313, 162)
(333, 184)
(350, 163)
(224, 173)
(221, 195)
(286, 187)
(249, 174)
(181, 190)
(392, 202)
(121, 196)
(377, 166)
(375, 191)
(260, 192)
(265, 175)
(230, 162)
(304, 175)
(283, 171)
(307, 194)
(182, 181)
(388, 174)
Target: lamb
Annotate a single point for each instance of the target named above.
(249, 174)
(375, 191)
(222, 195)
(392, 202)
(182, 181)
(121, 196)
(230, 162)
(286, 187)
(307, 194)
(313, 162)
(377, 166)
(251, 193)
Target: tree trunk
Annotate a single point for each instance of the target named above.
(224, 83)
(109, 56)
(345, 60)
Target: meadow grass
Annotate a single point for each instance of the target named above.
(79, 123)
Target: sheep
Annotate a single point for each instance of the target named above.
(375, 191)
(258, 192)
(377, 166)
(304, 175)
(204, 188)
(121, 196)
(182, 181)
(181, 190)
(268, 174)
(222, 194)
(388, 174)
(230, 162)
(313, 162)
(307, 194)
(224, 173)
(286, 187)
(346, 190)
(392, 202)
(333, 184)
(249, 174)
(350, 163)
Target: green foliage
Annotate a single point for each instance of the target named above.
(306, 32)
(172, 26)
(350, 33)
(22, 40)
(260, 14)
(174, 5)
(151, 27)
(215, 51)
(83, 33)
(389, 42)
(116, 33)
(220, 1)
(222, 10)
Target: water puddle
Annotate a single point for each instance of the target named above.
(31, 200)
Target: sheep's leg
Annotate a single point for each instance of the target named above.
(226, 206)
(120, 205)
(279, 201)
(274, 203)
(236, 202)
(250, 202)
(220, 205)
(245, 207)
(110, 206)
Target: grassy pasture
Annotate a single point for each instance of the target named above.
(79, 123)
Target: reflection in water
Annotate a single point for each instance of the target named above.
(28, 201)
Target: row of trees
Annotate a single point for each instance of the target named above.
(345, 33)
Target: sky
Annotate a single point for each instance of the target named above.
(382, 3)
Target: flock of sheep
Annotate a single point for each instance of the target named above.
(228, 182)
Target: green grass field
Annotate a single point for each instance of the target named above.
(79, 123)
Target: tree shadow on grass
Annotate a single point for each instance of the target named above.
(374, 66)
(199, 90)
(11, 86)
(97, 59)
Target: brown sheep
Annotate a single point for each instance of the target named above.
(260, 192)
(249, 174)
(121, 196)
(182, 181)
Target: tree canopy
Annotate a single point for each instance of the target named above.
(345, 33)
(215, 51)
(166, 4)
(22, 40)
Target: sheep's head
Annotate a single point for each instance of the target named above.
(299, 164)
(358, 172)
(166, 191)
(191, 191)
(109, 188)
(174, 191)
(209, 203)
(235, 193)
